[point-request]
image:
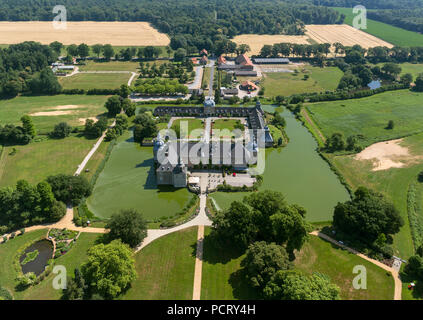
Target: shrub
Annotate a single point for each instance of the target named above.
(420, 177)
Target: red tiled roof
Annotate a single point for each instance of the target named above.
(244, 60)
(221, 60)
(204, 51)
(248, 84)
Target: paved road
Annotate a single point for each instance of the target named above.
(197, 80)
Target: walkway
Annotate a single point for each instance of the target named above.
(196, 84)
(196, 293)
(395, 273)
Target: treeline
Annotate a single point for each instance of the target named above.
(159, 87)
(198, 23)
(24, 67)
(371, 4)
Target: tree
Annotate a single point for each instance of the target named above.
(97, 49)
(335, 143)
(128, 107)
(420, 177)
(108, 52)
(392, 69)
(56, 46)
(69, 188)
(113, 105)
(72, 50)
(266, 51)
(179, 55)
(128, 226)
(419, 83)
(83, 50)
(145, 127)
(45, 83)
(351, 143)
(61, 130)
(110, 269)
(293, 285)
(407, 79)
(28, 126)
(236, 225)
(262, 261)
(390, 125)
(367, 216)
(124, 91)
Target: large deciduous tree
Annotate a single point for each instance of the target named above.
(128, 226)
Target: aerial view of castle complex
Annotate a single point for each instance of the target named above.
(211, 150)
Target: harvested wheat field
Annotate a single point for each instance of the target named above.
(344, 34)
(114, 33)
(257, 41)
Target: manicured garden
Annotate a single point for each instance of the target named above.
(165, 268)
(289, 83)
(368, 117)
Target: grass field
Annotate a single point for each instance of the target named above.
(286, 83)
(129, 177)
(44, 290)
(413, 68)
(222, 276)
(369, 116)
(87, 106)
(110, 66)
(89, 32)
(36, 161)
(320, 256)
(391, 34)
(393, 183)
(165, 268)
(95, 81)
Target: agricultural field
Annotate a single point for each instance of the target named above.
(391, 34)
(344, 34)
(114, 33)
(38, 160)
(165, 268)
(47, 111)
(95, 80)
(289, 83)
(129, 176)
(44, 290)
(109, 66)
(394, 181)
(368, 117)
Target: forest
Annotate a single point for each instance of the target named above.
(197, 23)
(406, 14)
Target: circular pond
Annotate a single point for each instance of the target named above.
(36, 257)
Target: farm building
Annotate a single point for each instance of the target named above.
(244, 62)
(204, 52)
(246, 73)
(203, 60)
(221, 60)
(271, 60)
(228, 93)
(248, 85)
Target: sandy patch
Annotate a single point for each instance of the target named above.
(66, 107)
(386, 155)
(115, 33)
(51, 113)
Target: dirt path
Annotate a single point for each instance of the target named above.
(395, 274)
(196, 293)
(304, 112)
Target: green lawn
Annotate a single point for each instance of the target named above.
(369, 116)
(110, 66)
(286, 83)
(87, 106)
(393, 183)
(389, 33)
(414, 68)
(223, 124)
(44, 290)
(320, 256)
(206, 78)
(36, 161)
(95, 81)
(193, 124)
(128, 181)
(222, 276)
(165, 268)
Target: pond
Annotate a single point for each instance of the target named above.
(45, 253)
(299, 173)
(375, 84)
(128, 181)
